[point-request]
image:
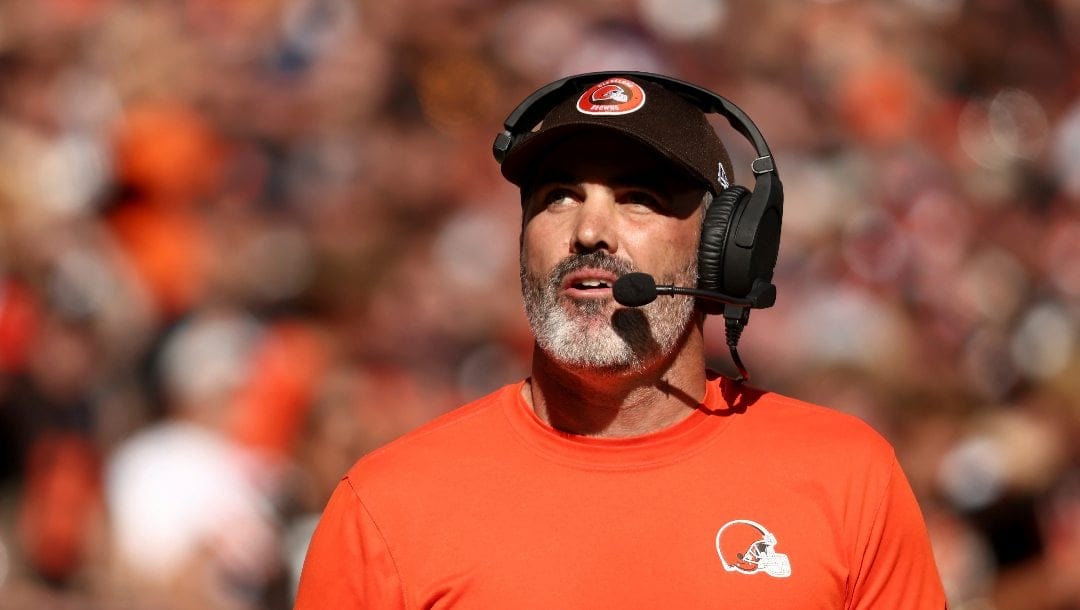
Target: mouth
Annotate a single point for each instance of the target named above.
(588, 284)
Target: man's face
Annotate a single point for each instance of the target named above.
(601, 206)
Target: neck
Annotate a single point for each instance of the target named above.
(620, 403)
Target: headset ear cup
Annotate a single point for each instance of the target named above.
(714, 236)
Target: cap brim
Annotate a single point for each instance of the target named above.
(520, 165)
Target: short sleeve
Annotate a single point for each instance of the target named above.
(348, 564)
(896, 568)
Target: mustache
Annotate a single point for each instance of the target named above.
(592, 260)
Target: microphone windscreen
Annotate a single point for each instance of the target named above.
(634, 289)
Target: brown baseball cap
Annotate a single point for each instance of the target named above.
(640, 109)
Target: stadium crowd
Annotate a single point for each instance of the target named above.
(243, 242)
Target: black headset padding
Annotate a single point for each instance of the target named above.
(741, 231)
(753, 244)
(714, 238)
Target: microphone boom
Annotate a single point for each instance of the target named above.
(637, 289)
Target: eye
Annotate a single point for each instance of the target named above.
(641, 198)
(555, 195)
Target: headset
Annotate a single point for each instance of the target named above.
(740, 234)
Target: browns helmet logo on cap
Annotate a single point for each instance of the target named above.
(613, 96)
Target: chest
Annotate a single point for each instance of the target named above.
(693, 538)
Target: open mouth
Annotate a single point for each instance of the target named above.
(589, 283)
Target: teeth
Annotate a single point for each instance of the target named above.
(594, 283)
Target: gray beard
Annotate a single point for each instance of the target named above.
(581, 336)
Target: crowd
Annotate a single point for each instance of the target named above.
(243, 242)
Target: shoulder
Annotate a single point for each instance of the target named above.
(433, 471)
(793, 425)
(452, 436)
(809, 419)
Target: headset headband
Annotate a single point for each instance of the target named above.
(532, 110)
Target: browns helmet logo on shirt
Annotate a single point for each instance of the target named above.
(747, 547)
(611, 97)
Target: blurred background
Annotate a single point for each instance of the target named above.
(243, 242)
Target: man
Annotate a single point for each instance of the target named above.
(621, 473)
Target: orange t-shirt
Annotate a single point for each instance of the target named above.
(753, 501)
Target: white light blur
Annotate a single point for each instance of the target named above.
(473, 249)
(209, 355)
(531, 36)
(610, 49)
(1018, 123)
(830, 191)
(1043, 343)
(68, 173)
(972, 474)
(684, 19)
(1010, 126)
(1066, 152)
(846, 325)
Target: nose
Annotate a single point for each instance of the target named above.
(595, 226)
